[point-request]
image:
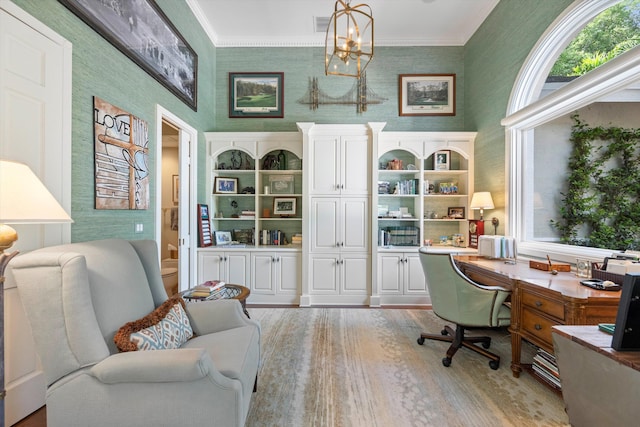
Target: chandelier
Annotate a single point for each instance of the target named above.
(349, 40)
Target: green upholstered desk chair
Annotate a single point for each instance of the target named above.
(457, 299)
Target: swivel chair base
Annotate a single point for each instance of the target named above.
(457, 340)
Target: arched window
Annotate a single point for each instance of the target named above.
(536, 161)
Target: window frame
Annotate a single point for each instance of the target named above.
(526, 112)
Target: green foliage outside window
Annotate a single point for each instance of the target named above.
(611, 33)
(601, 206)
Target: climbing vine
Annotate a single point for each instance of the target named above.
(601, 206)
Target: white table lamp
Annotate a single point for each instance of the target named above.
(482, 200)
(23, 200)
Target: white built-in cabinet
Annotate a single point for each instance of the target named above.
(342, 211)
(413, 198)
(229, 266)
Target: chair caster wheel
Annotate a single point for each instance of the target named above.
(446, 361)
(420, 341)
(444, 332)
(494, 364)
(486, 345)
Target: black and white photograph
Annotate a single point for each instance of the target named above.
(284, 206)
(427, 94)
(140, 30)
(441, 160)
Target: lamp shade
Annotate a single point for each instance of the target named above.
(24, 199)
(482, 200)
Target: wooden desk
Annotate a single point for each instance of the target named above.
(600, 386)
(540, 300)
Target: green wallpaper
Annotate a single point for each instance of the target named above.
(485, 68)
(493, 58)
(99, 69)
(301, 64)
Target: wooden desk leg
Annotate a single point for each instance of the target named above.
(516, 346)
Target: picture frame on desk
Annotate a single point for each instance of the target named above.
(456, 212)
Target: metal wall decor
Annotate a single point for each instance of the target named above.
(359, 95)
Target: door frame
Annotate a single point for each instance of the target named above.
(187, 173)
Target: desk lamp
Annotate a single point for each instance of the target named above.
(481, 200)
(23, 200)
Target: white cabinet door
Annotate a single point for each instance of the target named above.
(210, 266)
(340, 165)
(355, 165)
(340, 223)
(354, 223)
(237, 268)
(232, 267)
(414, 279)
(323, 270)
(390, 273)
(289, 273)
(325, 167)
(354, 273)
(263, 266)
(325, 217)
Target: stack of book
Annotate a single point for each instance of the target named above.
(272, 237)
(296, 239)
(248, 214)
(545, 366)
(207, 290)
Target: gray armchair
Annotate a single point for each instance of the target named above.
(459, 300)
(77, 296)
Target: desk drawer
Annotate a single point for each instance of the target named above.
(537, 325)
(545, 305)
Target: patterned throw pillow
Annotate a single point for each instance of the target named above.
(165, 328)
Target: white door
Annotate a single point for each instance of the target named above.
(35, 128)
(210, 266)
(414, 276)
(354, 274)
(390, 273)
(324, 274)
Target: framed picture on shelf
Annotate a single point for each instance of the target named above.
(204, 228)
(427, 94)
(441, 160)
(150, 40)
(456, 212)
(284, 206)
(243, 236)
(281, 184)
(223, 238)
(256, 95)
(223, 185)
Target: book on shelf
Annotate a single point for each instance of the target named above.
(211, 285)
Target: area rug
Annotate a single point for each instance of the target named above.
(363, 367)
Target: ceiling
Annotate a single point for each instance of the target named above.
(274, 23)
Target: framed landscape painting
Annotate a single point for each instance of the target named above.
(257, 95)
(141, 31)
(427, 94)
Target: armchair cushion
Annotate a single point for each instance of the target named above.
(164, 328)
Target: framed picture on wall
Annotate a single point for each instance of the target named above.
(141, 31)
(427, 94)
(258, 95)
(175, 189)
